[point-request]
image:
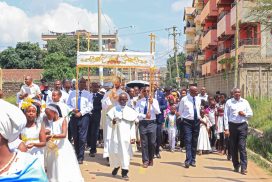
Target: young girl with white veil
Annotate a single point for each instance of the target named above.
(61, 162)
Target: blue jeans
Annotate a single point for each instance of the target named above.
(191, 132)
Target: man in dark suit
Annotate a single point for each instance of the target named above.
(93, 130)
(159, 95)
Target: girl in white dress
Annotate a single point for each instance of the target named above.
(61, 162)
(203, 143)
(33, 135)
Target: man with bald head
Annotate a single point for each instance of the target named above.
(236, 114)
(29, 89)
(203, 95)
(189, 109)
(121, 134)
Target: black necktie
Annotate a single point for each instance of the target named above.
(195, 111)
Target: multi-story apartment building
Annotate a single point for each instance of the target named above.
(217, 40)
(109, 41)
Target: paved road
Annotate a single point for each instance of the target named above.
(211, 167)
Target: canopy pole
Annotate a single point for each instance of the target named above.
(151, 71)
(77, 72)
(89, 78)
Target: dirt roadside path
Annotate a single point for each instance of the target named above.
(211, 167)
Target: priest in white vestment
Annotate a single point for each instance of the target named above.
(122, 135)
(109, 100)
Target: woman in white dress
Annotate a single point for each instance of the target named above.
(33, 135)
(203, 143)
(61, 162)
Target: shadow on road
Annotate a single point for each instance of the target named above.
(229, 179)
(180, 164)
(107, 175)
(217, 159)
(218, 168)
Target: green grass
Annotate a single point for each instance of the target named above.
(262, 113)
(262, 120)
(11, 99)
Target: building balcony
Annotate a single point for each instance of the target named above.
(189, 13)
(244, 9)
(188, 63)
(209, 11)
(189, 45)
(209, 68)
(209, 39)
(197, 19)
(190, 29)
(247, 46)
(200, 59)
(222, 3)
(222, 54)
(223, 27)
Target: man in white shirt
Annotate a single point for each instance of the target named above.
(64, 94)
(29, 89)
(80, 119)
(148, 108)
(236, 114)
(203, 95)
(189, 109)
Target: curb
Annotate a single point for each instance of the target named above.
(259, 160)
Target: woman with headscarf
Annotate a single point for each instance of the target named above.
(16, 166)
(60, 158)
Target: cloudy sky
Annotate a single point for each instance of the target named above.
(26, 20)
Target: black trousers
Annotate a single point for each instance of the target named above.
(158, 138)
(148, 139)
(93, 131)
(181, 134)
(213, 136)
(79, 128)
(238, 136)
(191, 133)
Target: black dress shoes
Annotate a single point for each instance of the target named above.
(115, 171)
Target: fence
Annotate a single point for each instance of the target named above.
(254, 82)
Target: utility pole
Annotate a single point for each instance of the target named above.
(236, 47)
(100, 40)
(170, 72)
(175, 34)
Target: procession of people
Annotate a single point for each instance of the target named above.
(51, 129)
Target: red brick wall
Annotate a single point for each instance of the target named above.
(18, 75)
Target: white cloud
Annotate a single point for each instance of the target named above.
(180, 5)
(16, 25)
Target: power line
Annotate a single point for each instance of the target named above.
(107, 21)
(145, 32)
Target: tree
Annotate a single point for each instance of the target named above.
(61, 57)
(56, 66)
(10, 59)
(171, 63)
(25, 55)
(262, 13)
